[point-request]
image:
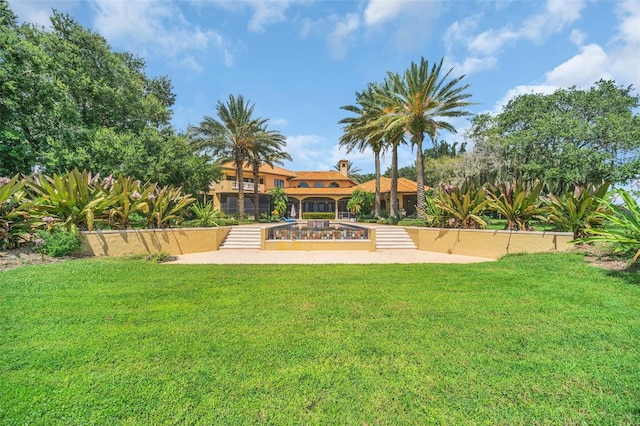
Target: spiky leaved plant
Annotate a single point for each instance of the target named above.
(517, 202)
(166, 206)
(15, 217)
(462, 206)
(625, 221)
(575, 211)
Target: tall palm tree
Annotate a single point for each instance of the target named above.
(417, 102)
(267, 148)
(359, 133)
(231, 136)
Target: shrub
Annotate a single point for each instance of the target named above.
(578, 210)
(414, 222)
(15, 217)
(625, 232)
(57, 242)
(462, 206)
(516, 202)
(318, 215)
(206, 215)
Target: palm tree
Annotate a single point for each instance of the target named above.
(359, 134)
(231, 136)
(415, 103)
(267, 148)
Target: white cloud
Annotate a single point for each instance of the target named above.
(544, 89)
(309, 152)
(380, 11)
(159, 26)
(583, 69)
(577, 37)
(342, 35)
(190, 62)
(267, 12)
(278, 122)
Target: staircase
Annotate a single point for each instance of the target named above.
(242, 237)
(393, 237)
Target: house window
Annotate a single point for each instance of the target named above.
(334, 185)
(318, 185)
(231, 177)
(279, 183)
(303, 185)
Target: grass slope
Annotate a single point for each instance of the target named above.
(537, 339)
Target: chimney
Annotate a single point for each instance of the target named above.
(343, 167)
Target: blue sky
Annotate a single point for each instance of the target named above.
(299, 61)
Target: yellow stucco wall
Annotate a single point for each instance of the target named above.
(170, 241)
(488, 243)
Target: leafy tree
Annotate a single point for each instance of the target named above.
(420, 101)
(569, 137)
(279, 198)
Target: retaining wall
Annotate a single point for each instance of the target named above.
(488, 243)
(170, 241)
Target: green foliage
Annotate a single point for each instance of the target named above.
(623, 225)
(75, 198)
(360, 202)
(15, 212)
(578, 210)
(279, 200)
(569, 136)
(414, 222)
(318, 215)
(462, 206)
(517, 202)
(206, 215)
(166, 206)
(126, 198)
(57, 242)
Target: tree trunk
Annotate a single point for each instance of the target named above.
(393, 199)
(377, 210)
(420, 202)
(240, 183)
(256, 191)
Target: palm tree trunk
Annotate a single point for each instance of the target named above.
(377, 210)
(256, 193)
(240, 183)
(393, 199)
(420, 202)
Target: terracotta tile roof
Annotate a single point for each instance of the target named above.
(319, 191)
(404, 185)
(330, 175)
(264, 168)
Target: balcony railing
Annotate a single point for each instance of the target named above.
(247, 186)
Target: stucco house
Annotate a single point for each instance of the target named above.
(308, 191)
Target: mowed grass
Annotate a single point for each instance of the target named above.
(535, 339)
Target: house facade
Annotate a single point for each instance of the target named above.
(307, 191)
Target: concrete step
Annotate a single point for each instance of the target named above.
(242, 237)
(393, 238)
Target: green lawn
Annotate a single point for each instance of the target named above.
(537, 339)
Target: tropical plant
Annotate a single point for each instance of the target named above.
(206, 215)
(279, 200)
(360, 202)
(462, 206)
(15, 218)
(74, 198)
(57, 242)
(433, 214)
(166, 206)
(415, 104)
(578, 210)
(267, 148)
(624, 221)
(360, 134)
(231, 137)
(517, 202)
(127, 198)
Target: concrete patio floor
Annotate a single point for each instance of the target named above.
(261, 257)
